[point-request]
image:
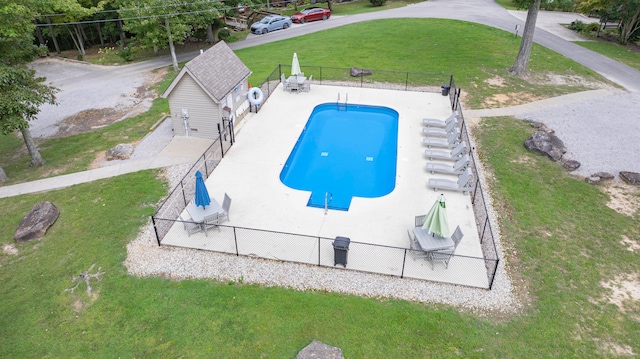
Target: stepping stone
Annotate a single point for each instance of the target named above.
(319, 350)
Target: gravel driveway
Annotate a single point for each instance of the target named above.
(87, 87)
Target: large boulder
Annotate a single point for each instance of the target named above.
(35, 224)
(122, 151)
(546, 144)
(630, 177)
(357, 72)
(319, 350)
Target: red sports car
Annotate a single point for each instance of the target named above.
(311, 14)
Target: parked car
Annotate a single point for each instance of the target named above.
(311, 14)
(270, 23)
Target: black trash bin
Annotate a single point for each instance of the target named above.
(445, 90)
(340, 250)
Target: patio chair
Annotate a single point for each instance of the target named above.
(285, 83)
(440, 132)
(445, 155)
(463, 184)
(444, 255)
(293, 86)
(226, 204)
(433, 122)
(190, 226)
(420, 220)
(450, 142)
(416, 250)
(457, 168)
(211, 221)
(306, 86)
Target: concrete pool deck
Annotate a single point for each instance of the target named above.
(250, 171)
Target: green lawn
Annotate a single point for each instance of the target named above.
(561, 239)
(614, 51)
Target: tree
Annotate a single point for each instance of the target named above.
(627, 11)
(21, 92)
(519, 68)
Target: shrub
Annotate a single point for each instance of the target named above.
(378, 2)
(125, 53)
(224, 34)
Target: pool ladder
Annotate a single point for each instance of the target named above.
(343, 106)
(327, 198)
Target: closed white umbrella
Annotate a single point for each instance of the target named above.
(295, 65)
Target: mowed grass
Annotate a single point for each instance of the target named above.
(561, 239)
(473, 53)
(564, 241)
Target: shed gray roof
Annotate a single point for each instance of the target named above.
(218, 71)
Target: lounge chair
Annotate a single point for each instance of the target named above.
(433, 122)
(444, 255)
(445, 155)
(190, 226)
(285, 83)
(211, 221)
(226, 204)
(457, 168)
(451, 142)
(440, 132)
(463, 184)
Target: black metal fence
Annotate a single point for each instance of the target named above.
(365, 257)
(380, 79)
(180, 196)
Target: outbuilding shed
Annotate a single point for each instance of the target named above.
(209, 91)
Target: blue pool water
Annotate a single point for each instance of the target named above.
(344, 151)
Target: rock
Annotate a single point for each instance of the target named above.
(542, 127)
(603, 175)
(546, 144)
(319, 350)
(571, 165)
(630, 177)
(3, 175)
(35, 224)
(355, 72)
(122, 151)
(594, 179)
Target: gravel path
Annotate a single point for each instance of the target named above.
(601, 134)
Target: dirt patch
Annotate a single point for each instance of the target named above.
(624, 291)
(522, 160)
(565, 80)
(509, 99)
(630, 244)
(92, 119)
(495, 81)
(623, 198)
(610, 348)
(9, 248)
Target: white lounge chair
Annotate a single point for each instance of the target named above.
(463, 184)
(434, 122)
(440, 132)
(445, 155)
(458, 168)
(444, 255)
(451, 142)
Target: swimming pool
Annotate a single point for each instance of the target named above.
(344, 151)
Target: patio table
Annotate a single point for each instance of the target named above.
(429, 243)
(198, 213)
(299, 79)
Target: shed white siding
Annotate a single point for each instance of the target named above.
(204, 113)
